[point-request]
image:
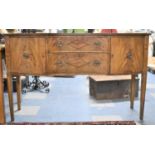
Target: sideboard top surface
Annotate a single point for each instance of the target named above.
(76, 34)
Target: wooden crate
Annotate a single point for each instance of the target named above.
(151, 64)
(111, 87)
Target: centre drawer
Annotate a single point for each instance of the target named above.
(78, 63)
(78, 43)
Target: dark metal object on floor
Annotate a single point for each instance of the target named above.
(36, 85)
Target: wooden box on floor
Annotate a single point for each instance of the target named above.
(151, 64)
(111, 87)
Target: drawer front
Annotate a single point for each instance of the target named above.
(78, 43)
(78, 63)
(27, 55)
(127, 54)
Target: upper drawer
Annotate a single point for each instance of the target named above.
(78, 43)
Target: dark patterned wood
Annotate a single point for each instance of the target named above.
(78, 43)
(78, 63)
(127, 54)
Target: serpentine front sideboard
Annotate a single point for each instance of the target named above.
(68, 54)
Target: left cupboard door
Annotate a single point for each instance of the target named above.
(27, 55)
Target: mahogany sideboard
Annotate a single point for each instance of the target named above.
(68, 54)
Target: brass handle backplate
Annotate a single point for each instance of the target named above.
(59, 44)
(80, 55)
(97, 43)
(26, 55)
(96, 62)
(129, 55)
(49, 52)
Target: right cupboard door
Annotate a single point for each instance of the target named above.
(127, 54)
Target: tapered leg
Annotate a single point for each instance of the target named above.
(10, 95)
(142, 97)
(18, 87)
(2, 109)
(132, 91)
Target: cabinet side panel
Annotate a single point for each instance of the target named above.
(146, 45)
(8, 54)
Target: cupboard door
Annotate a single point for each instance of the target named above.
(127, 54)
(78, 43)
(27, 55)
(78, 63)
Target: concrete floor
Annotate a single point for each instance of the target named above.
(69, 101)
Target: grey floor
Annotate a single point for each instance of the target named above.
(69, 101)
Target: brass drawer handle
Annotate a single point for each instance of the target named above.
(129, 55)
(26, 55)
(59, 44)
(96, 63)
(97, 43)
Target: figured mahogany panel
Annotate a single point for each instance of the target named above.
(27, 55)
(78, 63)
(78, 43)
(127, 54)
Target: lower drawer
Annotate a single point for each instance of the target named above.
(78, 63)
